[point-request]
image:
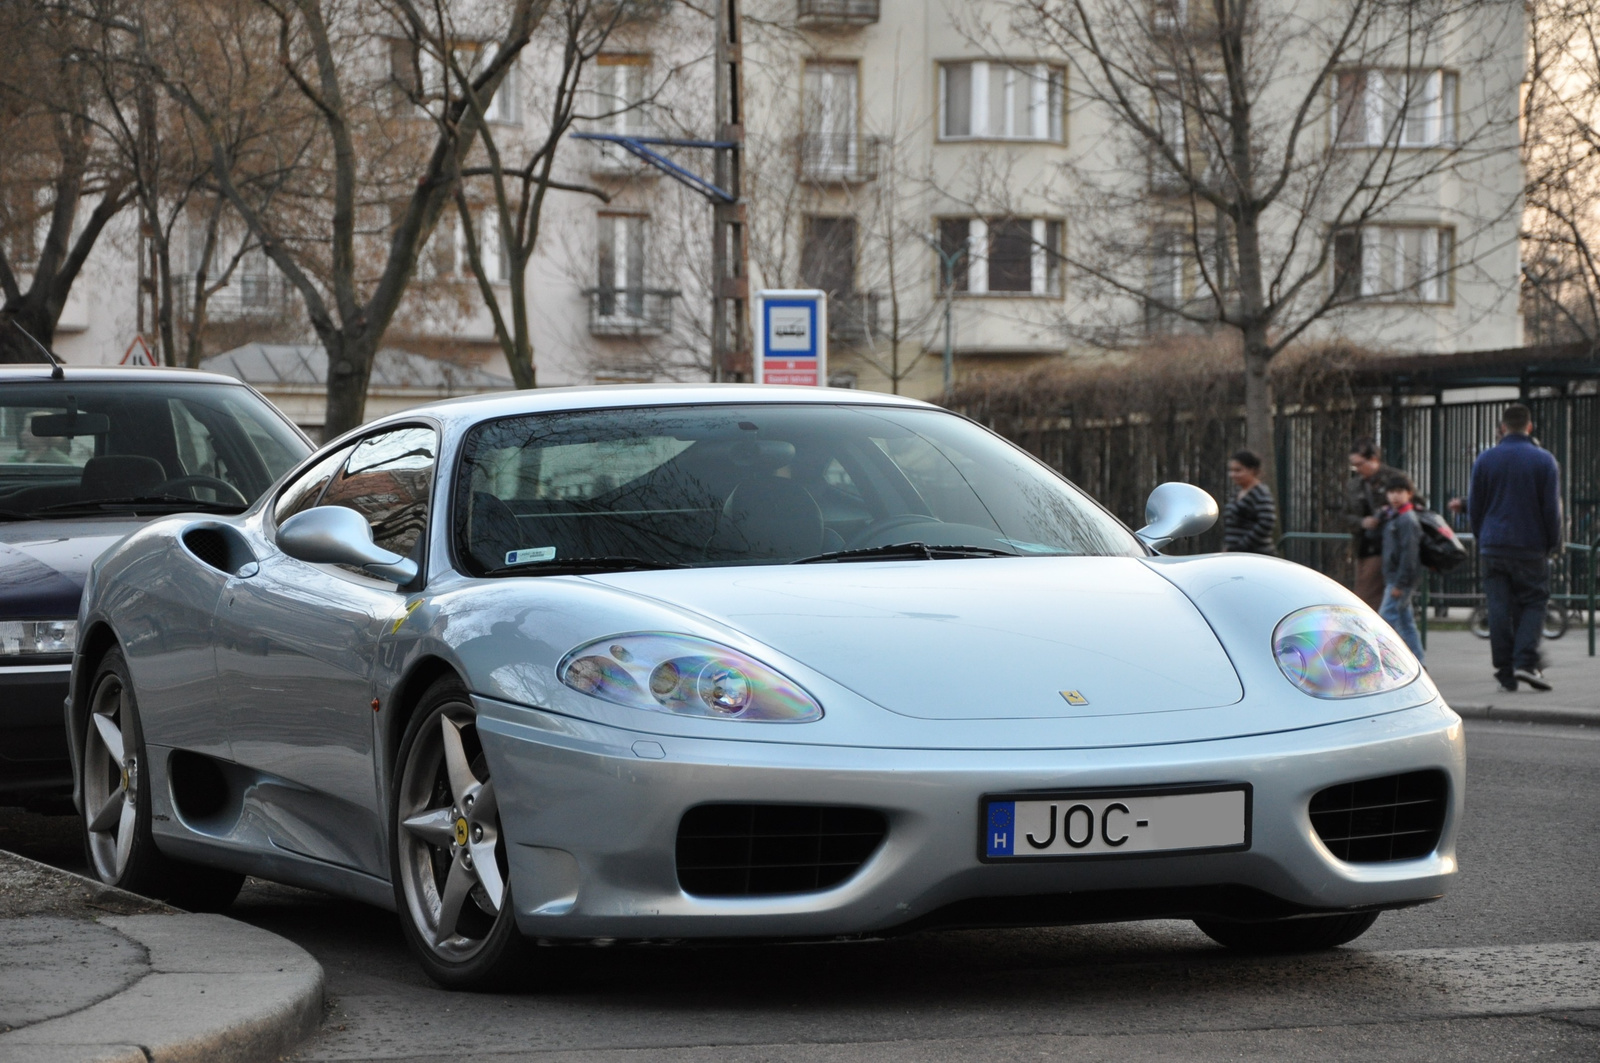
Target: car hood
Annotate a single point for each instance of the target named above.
(43, 563)
(1002, 638)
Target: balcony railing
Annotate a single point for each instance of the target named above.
(853, 318)
(246, 297)
(843, 158)
(630, 311)
(625, 11)
(838, 12)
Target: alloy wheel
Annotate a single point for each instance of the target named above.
(110, 780)
(451, 855)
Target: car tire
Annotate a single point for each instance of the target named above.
(444, 831)
(1306, 934)
(118, 842)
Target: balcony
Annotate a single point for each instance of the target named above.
(630, 311)
(626, 11)
(838, 158)
(837, 14)
(246, 297)
(853, 318)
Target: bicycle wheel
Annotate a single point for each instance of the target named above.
(1479, 623)
(1555, 620)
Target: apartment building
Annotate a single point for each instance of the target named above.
(952, 174)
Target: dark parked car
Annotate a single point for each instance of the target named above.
(87, 455)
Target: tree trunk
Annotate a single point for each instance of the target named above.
(520, 357)
(1258, 403)
(349, 370)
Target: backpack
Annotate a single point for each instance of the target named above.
(1439, 548)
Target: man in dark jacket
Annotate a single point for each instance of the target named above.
(1515, 506)
(1364, 499)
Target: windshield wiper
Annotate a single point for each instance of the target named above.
(142, 502)
(11, 514)
(568, 566)
(915, 551)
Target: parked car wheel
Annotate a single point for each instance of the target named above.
(116, 804)
(451, 879)
(1308, 934)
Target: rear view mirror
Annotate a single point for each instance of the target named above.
(334, 535)
(75, 423)
(1176, 511)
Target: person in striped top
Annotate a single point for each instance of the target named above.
(1248, 518)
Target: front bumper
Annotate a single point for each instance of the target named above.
(34, 762)
(591, 815)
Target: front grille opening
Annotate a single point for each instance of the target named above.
(1397, 817)
(758, 850)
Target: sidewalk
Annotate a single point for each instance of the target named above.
(88, 972)
(1458, 661)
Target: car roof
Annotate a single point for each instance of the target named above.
(471, 409)
(39, 373)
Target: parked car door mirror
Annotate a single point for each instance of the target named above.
(1176, 511)
(335, 535)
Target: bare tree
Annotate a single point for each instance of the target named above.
(1274, 136)
(386, 135)
(56, 162)
(576, 32)
(1561, 149)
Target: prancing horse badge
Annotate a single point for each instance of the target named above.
(1074, 698)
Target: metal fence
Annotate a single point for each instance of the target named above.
(1120, 461)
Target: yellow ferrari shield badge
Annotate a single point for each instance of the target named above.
(1074, 698)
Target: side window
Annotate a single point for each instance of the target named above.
(388, 479)
(305, 490)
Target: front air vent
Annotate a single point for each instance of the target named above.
(758, 850)
(218, 546)
(1397, 817)
(208, 545)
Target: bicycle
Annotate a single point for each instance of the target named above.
(1557, 619)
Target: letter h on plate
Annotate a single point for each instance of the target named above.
(1002, 828)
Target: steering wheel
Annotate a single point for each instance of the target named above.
(872, 531)
(222, 487)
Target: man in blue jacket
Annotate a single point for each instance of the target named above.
(1515, 506)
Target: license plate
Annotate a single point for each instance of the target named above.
(1107, 823)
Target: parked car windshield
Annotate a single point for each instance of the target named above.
(91, 446)
(758, 484)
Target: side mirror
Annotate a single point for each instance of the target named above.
(335, 535)
(1176, 511)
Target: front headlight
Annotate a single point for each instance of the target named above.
(1334, 651)
(20, 637)
(685, 675)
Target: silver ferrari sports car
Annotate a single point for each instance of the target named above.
(683, 663)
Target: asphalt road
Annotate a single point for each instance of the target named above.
(1500, 969)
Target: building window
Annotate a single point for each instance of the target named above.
(828, 255)
(1001, 101)
(621, 88)
(1169, 254)
(1169, 16)
(620, 256)
(422, 75)
(1394, 263)
(1411, 108)
(1002, 256)
(831, 111)
(491, 247)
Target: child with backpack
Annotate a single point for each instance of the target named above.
(1402, 562)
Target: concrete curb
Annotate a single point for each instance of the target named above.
(1530, 714)
(216, 991)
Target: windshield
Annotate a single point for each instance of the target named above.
(84, 447)
(758, 484)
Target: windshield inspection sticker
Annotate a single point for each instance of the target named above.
(526, 557)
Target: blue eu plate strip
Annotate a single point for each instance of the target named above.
(1002, 828)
